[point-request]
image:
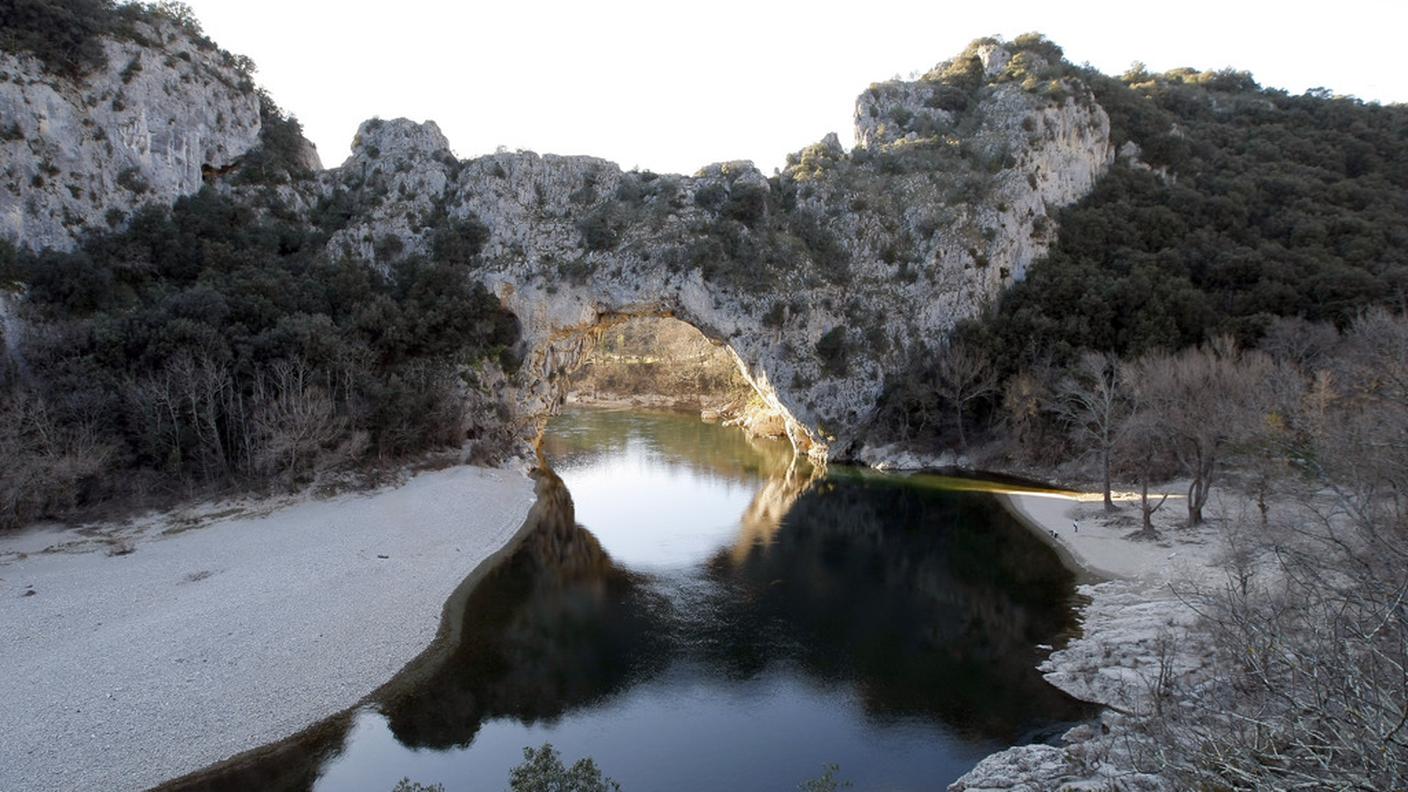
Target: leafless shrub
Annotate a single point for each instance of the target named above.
(45, 464)
(1027, 399)
(962, 375)
(1308, 684)
(294, 419)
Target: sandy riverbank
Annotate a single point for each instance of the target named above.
(1102, 547)
(1133, 621)
(224, 629)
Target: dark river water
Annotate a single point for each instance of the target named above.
(713, 617)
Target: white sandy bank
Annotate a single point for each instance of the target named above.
(123, 671)
(1134, 621)
(1102, 546)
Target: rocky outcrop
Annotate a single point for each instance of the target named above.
(1133, 635)
(844, 270)
(81, 153)
(825, 280)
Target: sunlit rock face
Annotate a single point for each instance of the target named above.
(823, 280)
(79, 154)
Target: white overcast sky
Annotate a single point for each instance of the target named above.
(672, 86)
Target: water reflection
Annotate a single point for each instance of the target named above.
(722, 619)
(762, 520)
(928, 604)
(557, 627)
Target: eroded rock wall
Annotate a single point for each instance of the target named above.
(846, 269)
(81, 153)
(842, 270)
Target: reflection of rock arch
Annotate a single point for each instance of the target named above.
(557, 626)
(763, 518)
(905, 591)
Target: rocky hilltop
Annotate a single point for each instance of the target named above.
(164, 111)
(823, 280)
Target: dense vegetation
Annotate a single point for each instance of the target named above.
(207, 342)
(1246, 205)
(278, 158)
(1259, 205)
(65, 34)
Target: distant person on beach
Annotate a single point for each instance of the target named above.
(1075, 526)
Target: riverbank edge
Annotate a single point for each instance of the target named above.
(469, 486)
(1127, 611)
(1084, 570)
(446, 640)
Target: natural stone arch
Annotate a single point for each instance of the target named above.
(560, 330)
(843, 271)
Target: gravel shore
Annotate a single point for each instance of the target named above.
(136, 653)
(1132, 617)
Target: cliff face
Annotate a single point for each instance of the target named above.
(80, 154)
(824, 280)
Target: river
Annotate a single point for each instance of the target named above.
(698, 612)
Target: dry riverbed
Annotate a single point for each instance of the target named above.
(140, 652)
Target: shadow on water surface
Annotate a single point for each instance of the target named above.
(556, 627)
(866, 620)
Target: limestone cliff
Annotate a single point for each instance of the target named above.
(80, 152)
(843, 269)
(846, 268)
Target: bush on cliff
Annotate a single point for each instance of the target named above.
(1244, 205)
(64, 34)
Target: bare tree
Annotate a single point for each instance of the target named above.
(203, 385)
(1202, 400)
(1308, 346)
(155, 399)
(294, 418)
(1306, 686)
(962, 375)
(1092, 400)
(1263, 450)
(1140, 447)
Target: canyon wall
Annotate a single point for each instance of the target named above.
(79, 153)
(843, 270)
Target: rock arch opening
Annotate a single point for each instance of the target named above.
(661, 362)
(648, 358)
